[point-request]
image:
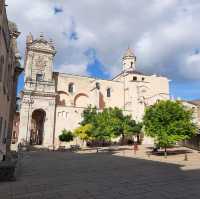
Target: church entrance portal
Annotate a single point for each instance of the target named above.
(37, 127)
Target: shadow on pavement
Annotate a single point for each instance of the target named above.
(100, 175)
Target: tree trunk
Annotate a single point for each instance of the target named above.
(97, 150)
(165, 152)
(138, 138)
(123, 138)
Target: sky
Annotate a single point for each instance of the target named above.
(91, 37)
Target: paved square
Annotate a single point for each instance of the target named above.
(105, 175)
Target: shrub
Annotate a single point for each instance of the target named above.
(66, 136)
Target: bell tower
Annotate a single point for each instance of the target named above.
(37, 114)
(129, 60)
(39, 59)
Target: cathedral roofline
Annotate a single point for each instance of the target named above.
(130, 72)
(194, 102)
(83, 76)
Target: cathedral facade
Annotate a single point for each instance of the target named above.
(53, 101)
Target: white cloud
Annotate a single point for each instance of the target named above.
(73, 69)
(162, 32)
(191, 69)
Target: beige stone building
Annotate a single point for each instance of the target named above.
(9, 71)
(16, 122)
(53, 101)
(194, 105)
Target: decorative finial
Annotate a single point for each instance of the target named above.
(29, 38)
(129, 53)
(51, 42)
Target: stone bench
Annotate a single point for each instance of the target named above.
(74, 147)
(61, 148)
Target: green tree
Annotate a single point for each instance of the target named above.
(124, 125)
(168, 122)
(103, 128)
(89, 115)
(84, 132)
(107, 124)
(66, 136)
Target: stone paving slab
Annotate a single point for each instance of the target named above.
(106, 175)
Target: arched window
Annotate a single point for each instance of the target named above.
(97, 85)
(108, 92)
(71, 88)
(131, 64)
(134, 78)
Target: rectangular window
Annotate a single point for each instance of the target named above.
(108, 92)
(71, 88)
(39, 77)
(1, 67)
(5, 80)
(1, 123)
(4, 133)
(1, 7)
(98, 85)
(1, 71)
(9, 81)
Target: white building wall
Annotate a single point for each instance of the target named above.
(85, 87)
(29, 105)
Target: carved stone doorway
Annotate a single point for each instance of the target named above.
(37, 127)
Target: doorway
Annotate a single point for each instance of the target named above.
(37, 127)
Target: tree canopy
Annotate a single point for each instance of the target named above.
(168, 122)
(84, 132)
(107, 124)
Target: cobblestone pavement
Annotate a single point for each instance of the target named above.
(116, 174)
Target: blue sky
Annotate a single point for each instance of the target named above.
(91, 37)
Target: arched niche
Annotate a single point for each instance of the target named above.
(81, 100)
(37, 127)
(61, 98)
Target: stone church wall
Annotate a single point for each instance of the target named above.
(63, 97)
